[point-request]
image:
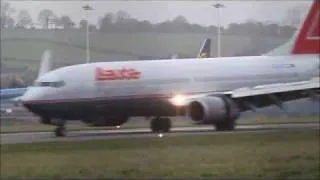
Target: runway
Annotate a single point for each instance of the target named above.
(31, 137)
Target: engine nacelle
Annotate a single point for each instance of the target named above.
(106, 121)
(209, 110)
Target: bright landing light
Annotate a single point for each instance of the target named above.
(178, 100)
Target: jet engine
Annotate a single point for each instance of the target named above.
(213, 109)
(106, 121)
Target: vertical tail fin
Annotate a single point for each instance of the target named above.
(307, 38)
(46, 63)
(205, 51)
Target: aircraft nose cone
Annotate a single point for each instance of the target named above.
(33, 106)
(32, 94)
(26, 105)
(28, 100)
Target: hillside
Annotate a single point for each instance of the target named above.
(22, 47)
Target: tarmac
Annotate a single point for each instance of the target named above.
(32, 137)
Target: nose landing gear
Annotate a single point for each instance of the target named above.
(60, 131)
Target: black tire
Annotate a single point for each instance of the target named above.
(165, 124)
(226, 125)
(60, 131)
(155, 127)
(160, 125)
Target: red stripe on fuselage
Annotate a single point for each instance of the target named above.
(308, 39)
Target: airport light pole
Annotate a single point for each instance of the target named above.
(87, 8)
(218, 6)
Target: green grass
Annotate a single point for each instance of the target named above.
(12, 125)
(26, 46)
(281, 155)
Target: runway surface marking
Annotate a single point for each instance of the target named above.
(29, 137)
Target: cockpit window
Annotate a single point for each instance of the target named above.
(49, 84)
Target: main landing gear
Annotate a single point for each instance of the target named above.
(160, 124)
(60, 131)
(227, 125)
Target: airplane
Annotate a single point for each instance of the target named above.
(212, 91)
(13, 95)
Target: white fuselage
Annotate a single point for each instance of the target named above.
(167, 77)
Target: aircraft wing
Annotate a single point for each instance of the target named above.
(249, 98)
(275, 94)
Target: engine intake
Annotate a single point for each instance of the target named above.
(209, 110)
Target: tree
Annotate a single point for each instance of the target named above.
(106, 23)
(16, 82)
(66, 22)
(180, 20)
(10, 22)
(145, 26)
(122, 16)
(24, 19)
(45, 16)
(179, 24)
(123, 22)
(287, 31)
(83, 24)
(6, 12)
(92, 27)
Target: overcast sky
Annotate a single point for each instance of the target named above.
(200, 12)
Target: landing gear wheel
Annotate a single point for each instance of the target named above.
(226, 125)
(60, 131)
(160, 125)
